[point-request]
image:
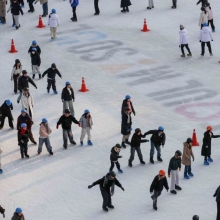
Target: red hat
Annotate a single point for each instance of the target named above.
(209, 128)
(162, 172)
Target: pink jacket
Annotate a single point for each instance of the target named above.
(210, 13)
(44, 131)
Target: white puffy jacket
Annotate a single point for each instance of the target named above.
(210, 13)
(203, 18)
(206, 34)
(53, 20)
(183, 37)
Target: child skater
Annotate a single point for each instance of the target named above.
(23, 140)
(114, 158)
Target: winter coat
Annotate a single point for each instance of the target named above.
(126, 124)
(3, 8)
(158, 183)
(53, 20)
(51, 74)
(183, 37)
(156, 138)
(174, 164)
(16, 8)
(37, 47)
(23, 82)
(114, 155)
(125, 3)
(83, 121)
(5, 110)
(124, 105)
(66, 122)
(217, 194)
(203, 18)
(187, 154)
(210, 13)
(74, 3)
(16, 71)
(24, 119)
(27, 102)
(205, 34)
(45, 131)
(206, 146)
(22, 138)
(66, 96)
(136, 140)
(35, 59)
(2, 210)
(17, 217)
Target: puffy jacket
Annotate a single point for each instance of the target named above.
(44, 131)
(24, 119)
(83, 121)
(37, 47)
(74, 3)
(206, 34)
(210, 13)
(53, 20)
(183, 37)
(158, 183)
(23, 138)
(51, 74)
(66, 122)
(23, 82)
(156, 138)
(136, 140)
(5, 110)
(66, 96)
(35, 59)
(203, 18)
(114, 155)
(16, 8)
(174, 164)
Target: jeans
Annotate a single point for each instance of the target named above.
(133, 149)
(45, 8)
(96, 5)
(10, 121)
(208, 45)
(187, 170)
(187, 47)
(47, 143)
(106, 197)
(174, 179)
(152, 147)
(53, 83)
(66, 134)
(68, 105)
(155, 196)
(23, 149)
(113, 165)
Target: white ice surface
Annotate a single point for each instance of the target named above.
(54, 188)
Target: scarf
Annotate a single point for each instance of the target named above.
(22, 131)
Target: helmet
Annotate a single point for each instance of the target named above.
(209, 128)
(195, 217)
(24, 72)
(34, 49)
(181, 27)
(178, 153)
(44, 120)
(137, 130)
(67, 111)
(205, 24)
(118, 145)
(127, 96)
(8, 102)
(17, 61)
(189, 140)
(112, 173)
(67, 83)
(23, 125)
(53, 10)
(23, 111)
(34, 42)
(161, 128)
(162, 172)
(18, 210)
(86, 111)
(53, 65)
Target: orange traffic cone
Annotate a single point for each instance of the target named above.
(13, 50)
(83, 87)
(145, 29)
(40, 23)
(194, 138)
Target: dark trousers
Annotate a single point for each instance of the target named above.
(3, 19)
(133, 149)
(211, 23)
(203, 47)
(125, 8)
(187, 47)
(174, 3)
(10, 122)
(187, 170)
(51, 82)
(45, 8)
(113, 165)
(74, 13)
(96, 5)
(15, 78)
(21, 2)
(218, 211)
(31, 5)
(23, 149)
(30, 135)
(155, 196)
(106, 197)
(13, 19)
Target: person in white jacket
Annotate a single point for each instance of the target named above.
(205, 38)
(183, 42)
(203, 17)
(151, 4)
(210, 16)
(27, 102)
(1, 171)
(53, 21)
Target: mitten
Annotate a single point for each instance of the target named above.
(169, 175)
(79, 125)
(36, 87)
(57, 126)
(122, 188)
(90, 186)
(179, 169)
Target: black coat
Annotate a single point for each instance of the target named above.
(125, 127)
(37, 47)
(17, 217)
(124, 104)
(155, 138)
(203, 2)
(125, 3)
(158, 184)
(16, 8)
(174, 164)
(66, 95)
(23, 138)
(136, 140)
(66, 122)
(24, 119)
(5, 110)
(23, 82)
(35, 59)
(206, 146)
(51, 74)
(114, 155)
(217, 194)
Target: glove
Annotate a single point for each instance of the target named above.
(35, 2)
(147, 140)
(73, 100)
(122, 188)
(169, 175)
(90, 186)
(2, 210)
(151, 192)
(36, 87)
(179, 169)
(57, 126)
(79, 125)
(119, 156)
(134, 114)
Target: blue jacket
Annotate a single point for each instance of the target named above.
(74, 3)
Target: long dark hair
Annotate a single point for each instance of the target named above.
(16, 62)
(203, 9)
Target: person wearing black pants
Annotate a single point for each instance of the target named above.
(5, 111)
(174, 4)
(30, 2)
(74, 18)
(114, 158)
(217, 195)
(205, 38)
(124, 5)
(183, 42)
(96, 4)
(74, 4)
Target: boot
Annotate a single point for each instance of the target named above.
(183, 55)
(127, 10)
(90, 143)
(120, 171)
(26, 155)
(206, 162)
(65, 147)
(55, 92)
(123, 144)
(213, 30)
(81, 143)
(142, 162)
(211, 54)
(152, 160)
(178, 187)
(51, 152)
(127, 142)
(191, 174)
(189, 55)
(155, 208)
(22, 156)
(129, 163)
(111, 206)
(173, 191)
(33, 141)
(48, 91)
(33, 76)
(186, 177)
(39, 76)
(105, 209)
(123, 11)
(73, 142)
(148, 8)
(210, 159)
(159, 159)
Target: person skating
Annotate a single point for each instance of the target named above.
(25, 118)
(210, 16)
(174, 165)
(51, 75)
(2, 211)
(53, 21)
(68, 98)
(86, 124)
(45, 132)
(66, 122)
(3, 11)
(124, 5)
(5, 111)
(135, 146)
(34, 45)
(23, 140)
(126, 123)
(157, 139)
(18, 215)
(183, 41)
(195, 217)
(217, 195)
(151, 4)
(96, 6)
(105, 183)
(203, 17)
(16, 72)
(31, 7)
(35, 62)
(27, 102)
(186, 158)
(44, 4)
(16, 10)
(74, 4)
(207, 145)
(1, 171)
(127, 103)
(23, 82)
(114, 156)
(157, 185)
